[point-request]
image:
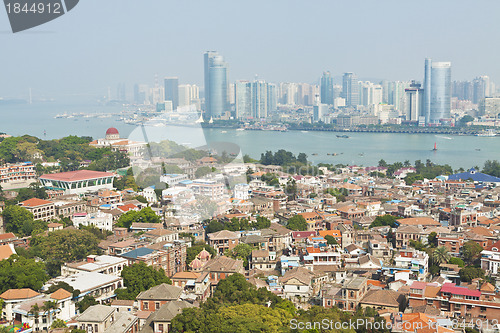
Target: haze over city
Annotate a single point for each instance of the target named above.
(101, 44)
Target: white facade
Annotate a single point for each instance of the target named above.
(242, 191)
(100, 220)
(173, 179)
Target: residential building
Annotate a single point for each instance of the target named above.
(103, 264)
(153, 298)
(41, 209)
(223, 240)
(100, 220)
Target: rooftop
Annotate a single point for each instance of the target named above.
(73, 176)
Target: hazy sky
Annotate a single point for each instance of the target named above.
(103, 42)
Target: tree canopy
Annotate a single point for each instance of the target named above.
(18, 272)
(140, 277)
(20, 221)
(62, 246)
(145, 215)
(297, 222)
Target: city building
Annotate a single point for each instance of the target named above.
(172, 91)
(41, 209)
(78, 182)
(103, 264)
(18, 174)
(216, 85)
(437, 92)
(327, 95)
(350, 89)
(243, 99)
(100, 220)
(414, 101)
(112, 140)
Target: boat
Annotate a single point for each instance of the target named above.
(443, 137)
(343, 136)
(488, 133)
(240, 129)
(314, 154)
(305, 131)
(223, 131)
(478, 149)
(435, 146)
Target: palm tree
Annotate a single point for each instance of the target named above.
(48, 306)
(440, 255)
(35, 310)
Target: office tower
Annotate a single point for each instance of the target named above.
(259, 99)
(437, 91)
(319, 109)
(141, 94)
(350, 89)
(216, 85)
(369, 93)
(172, 91)
(414, 101)
(243, 99)
(481, 89)
(462, 90)
(327, 89)
(272, 99)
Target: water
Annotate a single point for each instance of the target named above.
(364, 149)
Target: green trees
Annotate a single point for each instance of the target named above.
(440, 255)
(470, 273)
(202, 171)
(140, 277)
(20, 221)
(18, 272)
(86, 302)
(330, 240)
(339, 193)
(384, 220)
(456, 261)
(241, 251)
(145, 215)
(236, 224)
(214, 226)
(297, 222)
(62, 246)
(192, 252)
(471, 251)
(492, 168)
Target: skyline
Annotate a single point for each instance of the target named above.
(380, 45)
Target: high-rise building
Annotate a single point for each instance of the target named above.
(481, 89)
(350, 89)
(414, 101)
(370, 94)
(216, 84)
(259, 99)
(188, 94)
(172, 91)
(272, 99)
(243, 99)
(437, 91)
(327, 95)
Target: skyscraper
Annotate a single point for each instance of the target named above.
(216, 86)
(414, 101)
(327, 88)
(259, 99)
(350, 89)
(172, 91)
(272, 99)
(243, 99)
(437, 91)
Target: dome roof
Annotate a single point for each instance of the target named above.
(111, 131)
(204, 254)
(196, 264)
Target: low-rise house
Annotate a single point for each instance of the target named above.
(160, 320)
(379, 249)
(263, 260)
(54, 226)
(97, 318)
(223, 240)
(124, 305)
(153, 298)
(41, 209)
(406, 233)
(101, 286)
(298, 283)
(161, 235)
(6, 251)
(12, 297)
(383, 299)
(100, 220)
(104, 264)
(222, 267)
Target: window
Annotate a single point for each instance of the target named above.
(146, 306)
(157, 305)
(160, 327)
(96, 328)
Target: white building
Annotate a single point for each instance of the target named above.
(104, 264)
(100, 220)
(172, 179)
(131, 148)
(149, 194)
(79, 181)
(242, 191)
(490, 258)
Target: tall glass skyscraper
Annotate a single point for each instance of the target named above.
(216, 88)
(437, 91)
(172, 91)
(327, 88)
(243, 99)
(350, 89)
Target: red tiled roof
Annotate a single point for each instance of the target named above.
(72, 176)
(8, 235)
(453, 289)
(33, 202)
(303, 234)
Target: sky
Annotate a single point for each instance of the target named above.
(101, 43)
